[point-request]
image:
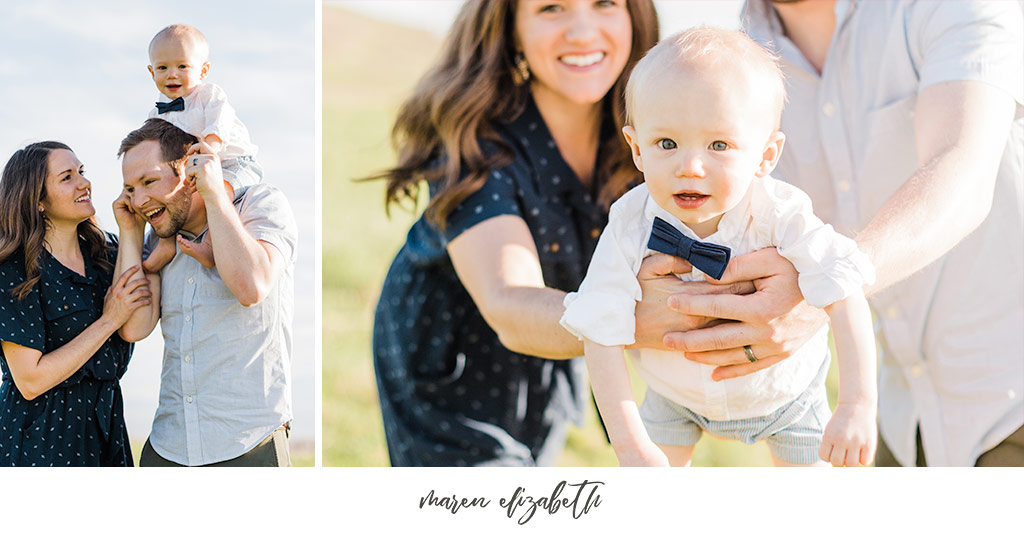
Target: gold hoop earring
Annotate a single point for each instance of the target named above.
(521, 71)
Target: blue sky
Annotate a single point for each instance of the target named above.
(76, 72)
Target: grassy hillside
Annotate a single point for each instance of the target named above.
(368, 68)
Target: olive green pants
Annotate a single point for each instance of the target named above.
(1009, 452)
(272, 451)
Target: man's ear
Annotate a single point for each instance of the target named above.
(772, 152)
(634, 147)
(204, 71)
(151, 72)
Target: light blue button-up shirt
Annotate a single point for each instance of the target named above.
(226, 378)
(951, 336)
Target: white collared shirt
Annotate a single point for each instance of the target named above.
(207, 111)
(952, 335)
(772, 213)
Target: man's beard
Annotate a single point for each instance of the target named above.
(177, 209)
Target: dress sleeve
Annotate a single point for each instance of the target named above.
(981, 41)
(21, 321)
(498, 196)
(830, 265)
(603, 308)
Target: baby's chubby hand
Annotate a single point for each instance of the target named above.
(851, 435)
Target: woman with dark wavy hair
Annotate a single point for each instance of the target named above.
(516, 132)
(66, 322)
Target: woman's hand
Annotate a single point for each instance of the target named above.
(655, 321)
(129, 221)
(125, 296)
(774, 320)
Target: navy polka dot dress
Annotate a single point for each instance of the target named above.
(79, 422)
(450, 393)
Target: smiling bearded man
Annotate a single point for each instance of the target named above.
(225, 388)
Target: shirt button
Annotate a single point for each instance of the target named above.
(844, 186)
(917, 371)
(187, 318)
(828, 109)
(189, 399)
(190, 280)
(555, 247)
(65, 306)
(188, 359)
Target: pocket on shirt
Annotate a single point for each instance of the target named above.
(890, 154)
(212, 286)
(54, 310)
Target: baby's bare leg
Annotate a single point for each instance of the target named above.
(201, 251)
(677, 455)
(161, 255)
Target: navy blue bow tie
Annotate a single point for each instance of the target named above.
(711, 259)
(175, 105)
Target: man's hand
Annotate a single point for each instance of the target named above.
(203, 171)
(127, 218)
(655, 321)
(774, 321)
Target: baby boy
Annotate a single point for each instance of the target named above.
(179, 64)
(703, 111)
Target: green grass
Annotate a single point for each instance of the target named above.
(361, 93)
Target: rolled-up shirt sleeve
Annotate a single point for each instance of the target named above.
(830, 265)
(219, 115)
(21, 321)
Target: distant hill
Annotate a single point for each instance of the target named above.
(371, 62)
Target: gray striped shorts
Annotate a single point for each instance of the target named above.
(793, 432)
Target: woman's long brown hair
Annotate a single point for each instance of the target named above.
(459, 101)
(23, 226)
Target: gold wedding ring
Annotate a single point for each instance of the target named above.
(750, 354)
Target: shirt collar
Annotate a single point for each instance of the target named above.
(187, 98)
(57, 271)
(763, 25)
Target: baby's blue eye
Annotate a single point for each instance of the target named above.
(665, 143)
(719, 145)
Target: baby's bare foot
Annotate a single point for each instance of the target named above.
(201, 251)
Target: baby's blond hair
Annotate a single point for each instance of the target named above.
(184, 33)
(707, 48)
